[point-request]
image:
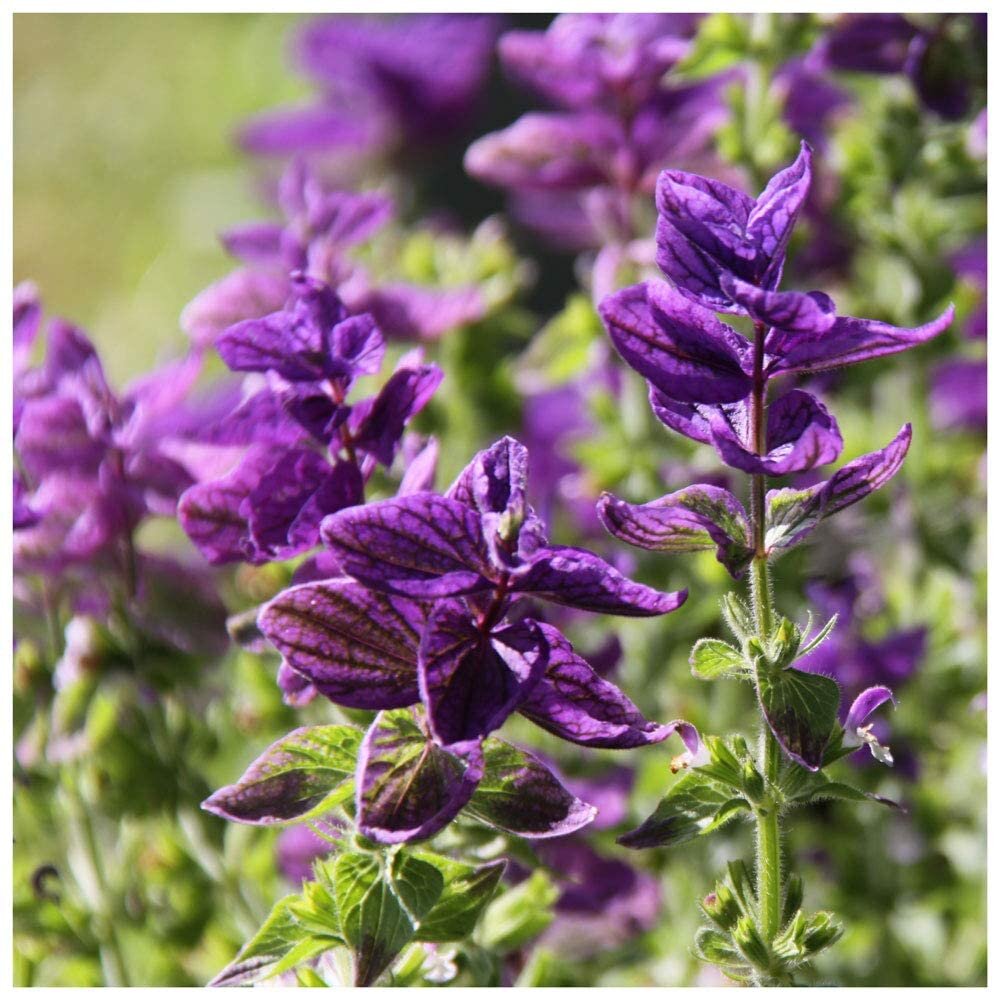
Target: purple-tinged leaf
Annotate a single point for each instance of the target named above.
(801, 710)
(849, 340)
(299, 775)
(518, 794)
(297, 690)
(791, 514)
(377, 428)
(409, 788)
(574, 703)
(692, 420)
(215, 516)
(800, 435)
(578, 578)
(796, 313)
(470, 680)
(679, 347)
(357, 646)
(424, 545)
(495, 480)
(691, 520)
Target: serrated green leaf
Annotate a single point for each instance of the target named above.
(712, 659)
(466, 892)
(686, 812)
(801, 710)
(297, 777)
(380, 906)
(279, 935)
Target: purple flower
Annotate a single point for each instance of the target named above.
(385, 83)
(311, 353)
(297, 849)
(431, 617)
(858, 732)
(958, 397)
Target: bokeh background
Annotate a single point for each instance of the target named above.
(124, 172)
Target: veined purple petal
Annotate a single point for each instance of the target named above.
(407, 787)
(423, 545)
(800, 435)
(297, 690)
(693, 420)
(681, 348)
(574, 703)
(580, 579)
(470, 680)
(693, 519)
(787, 311)
(495, 480)
(357, 646)
(848, 341)
(775, 213)
(377, 430)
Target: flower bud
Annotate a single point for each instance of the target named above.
(752, 782)
(822, 932)
(751, 943)
(783, 649)
(721, 907)
(793, 898)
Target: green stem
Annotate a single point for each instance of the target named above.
(96, 890)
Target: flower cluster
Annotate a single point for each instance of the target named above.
(386, 84)
(576, 172)
(433, 609)
(724, 252)
(308, 451)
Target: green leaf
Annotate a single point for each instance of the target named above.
(276, 940)
(712, 659)
(694, 805)
(302, 774)
(713, 946)
(721, 41)
(819, 638)
(801, 710)
(466, 891)
(834, 790)
(380, 907)
(519, 914)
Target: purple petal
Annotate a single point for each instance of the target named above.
(495, 480)
(548, 152)
(848, 341)
(958, 397)
(864, 705)
(258, 243)
(812, 313)
(409, 788)
(800, 434)
(315, 128)
(574, 703)
(358, 647)
(681, 348)
(426, 313)
(342, 218)
(692, 420)
(287, 507)
(297, 690)
(578, 578)
(243, 294)
(377, 430)
(875, 43)
(471, 681)
(420, 473)
(518, 794)
(693, 519)
(423, 545)
(212, 513)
